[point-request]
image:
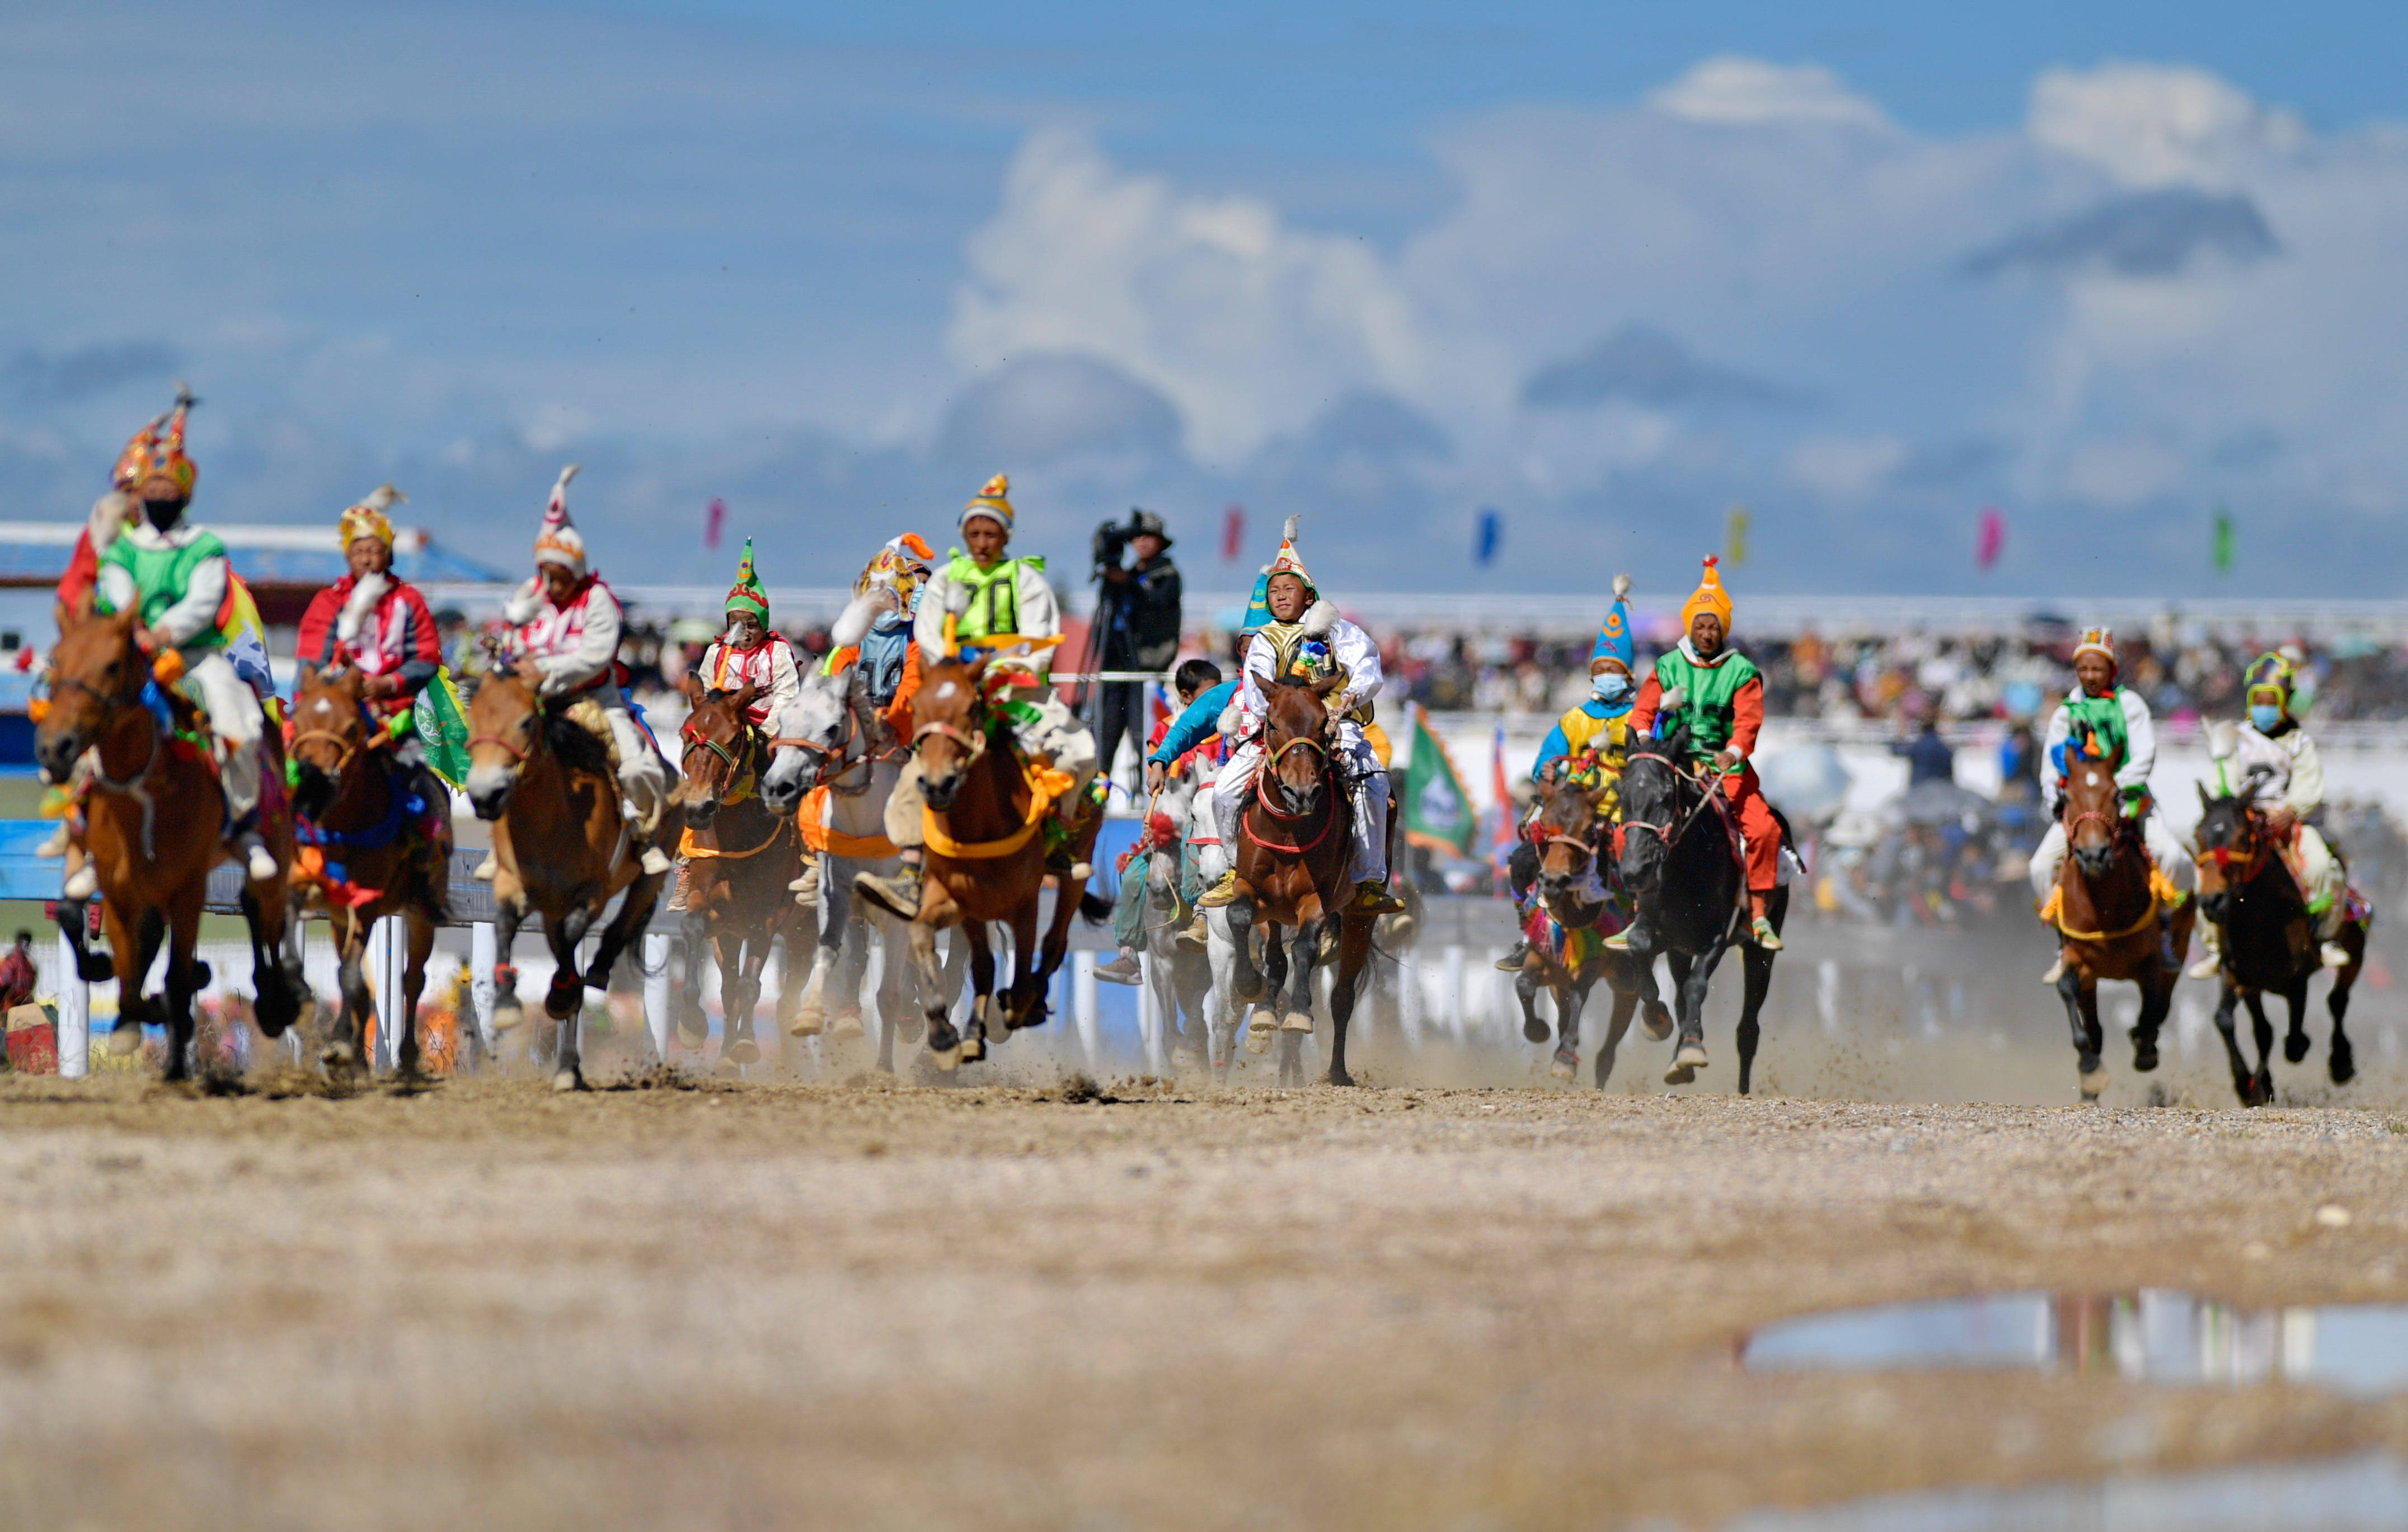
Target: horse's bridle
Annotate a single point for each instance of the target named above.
(2261, 845)
(839, 759)
(1672, 835)
(732, 759)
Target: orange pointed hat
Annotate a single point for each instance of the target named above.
(560, 542)
(157, 451)
(1709, 596)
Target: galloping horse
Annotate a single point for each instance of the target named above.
(561, 845)
(1681, 861)
(2269, 943)
(154, 825)
(984, 859)
(740, 855)
(1573, 840)
(2105, 912)
(1292, 853)
(356, 813)
(1179, 977)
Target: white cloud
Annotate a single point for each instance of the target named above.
(1736, 92)
(1844, 467)
(2152, 125)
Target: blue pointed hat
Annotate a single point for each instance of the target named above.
(1613, 637)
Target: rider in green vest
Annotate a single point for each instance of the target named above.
(984, 603)
(175, 577)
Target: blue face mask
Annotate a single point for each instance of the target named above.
(2263, 716)
(1609, 686)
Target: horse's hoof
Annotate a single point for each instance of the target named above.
(1182, 1058)
(742, 1050)
(1259, 1028)
(1297, 1021)
(597, 978)
(946, 1059)
(2295, 1047)
(1679, 1074)
(694, 1036)
(1692, 1053)
(1565, 1069)
(2144, 1057)
(1338, 1076)
(803, 1027)
(508, 1015)
(847, 1025)
(568, 1080)
(1533, 1029)
(2345, 1067)
(2093, 1083)
(125, 1039)
(973, 1047)
(2263, 1088)
(1658, 1022)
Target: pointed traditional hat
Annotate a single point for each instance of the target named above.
(1709, 596)
(560, 542)
(1613, 634)
(748, 594)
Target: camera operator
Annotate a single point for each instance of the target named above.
(1137, 618)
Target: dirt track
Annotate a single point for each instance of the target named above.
(760, 1306)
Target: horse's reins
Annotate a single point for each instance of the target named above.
(135, 786)
(1705, 797)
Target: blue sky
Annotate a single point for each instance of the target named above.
(1864, 267)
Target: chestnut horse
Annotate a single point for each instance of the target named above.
(984, 860)
(2107, 920)
(357, 813)
(561, 847)
(1294, 840)
(154, 825)
(739, 858)
(1574, 841)
(2270, 942)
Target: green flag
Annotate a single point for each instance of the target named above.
(2223, 541)
(442, 724)
(1433, 811)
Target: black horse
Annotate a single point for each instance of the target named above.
(2270, 942)
(1681, 862)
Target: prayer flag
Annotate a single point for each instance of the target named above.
(442, 724)
(1233, 532)
(2223, 541)
(1735, 536)
(1992, 538)
(713, 521)
(1490, 536)
(1434, 809)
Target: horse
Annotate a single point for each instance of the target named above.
(829, 738)
(1179, 977)
(154, 826)
(1293, 848)
(984, 859)
(2105, 911)
(561, 846)
(741, 853)
(1681, 861)
(2270, 941)
(1574, 838)
(355, 808)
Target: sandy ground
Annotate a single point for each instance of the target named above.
(740, 1305)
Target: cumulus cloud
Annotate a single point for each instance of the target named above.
(2158, 125)
(1738, 92)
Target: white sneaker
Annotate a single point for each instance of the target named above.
(2206, 967)
(654, 861)
(2336, 955)
(83, 884)
(2055, 972)
(486, 869)
(260, 866)
(56, 845)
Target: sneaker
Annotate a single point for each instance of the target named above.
(1618, 942)
(261, 866)
(82, 883)
(2206, 967)
(2055, 972)
(1196, 937)
(1373, 895)
(1511, 962)
(486, 869)
(2335, 955)
(1765, 936)
(655, 862)
(1124, 969)
(898, 895)
(1220, 893)
(56, 845)
(806, 889)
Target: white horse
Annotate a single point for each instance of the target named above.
(1177, 977)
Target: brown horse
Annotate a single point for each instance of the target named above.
(154, 825)
(984, 860)
(561, 846)
(1575, 842)
(361, 853)
(1292, 845)
(739, 858)
(2107, 920)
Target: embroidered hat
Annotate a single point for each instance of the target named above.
(367, 519)
(2269, 672)
(157, 451)
(560, 542)
(2100, 641)
(991, 502)
(1709, 596)
(748, 594)
(901, 565)
(1613, 634)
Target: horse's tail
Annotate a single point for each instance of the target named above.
(1094, 908)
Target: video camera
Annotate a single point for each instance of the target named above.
(1111, 541)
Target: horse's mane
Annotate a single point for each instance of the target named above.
(578, 747)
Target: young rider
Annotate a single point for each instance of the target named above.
(1305, 636)
(749, 651)
(982, 603)
(566, 625)
(381, 623)
(176, 577)
(1722, 703)
(2099, 718)
(1586, 748)
(1191, 681)
(2291, 794)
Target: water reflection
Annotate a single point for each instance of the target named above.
(2154, 1335)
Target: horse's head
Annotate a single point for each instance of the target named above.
(1297, 732)
(505, 729)
(949, 724)
(330, 727)
(1654, 795)
(2094, 814)
(97, 674)
(718, 744)
(2229, 840)
(813, 732)
(1569, 832)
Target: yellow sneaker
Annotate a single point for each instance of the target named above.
(1220, 893)
(1373, 895)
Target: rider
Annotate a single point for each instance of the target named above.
(982, 603)
(888, 659)
(749, 650)
(565, 626)
(2291, 792)
(1190, 681)
(1586, 748)
(2099, 718)
(1722, 703)
(176, 575)
(1306, 636)
(379, 623)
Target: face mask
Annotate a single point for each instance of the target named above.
(1610, 686)
(2262, 717)
(162, 514)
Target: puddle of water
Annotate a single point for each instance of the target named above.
(2153, 1336)
(2366, 1494)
